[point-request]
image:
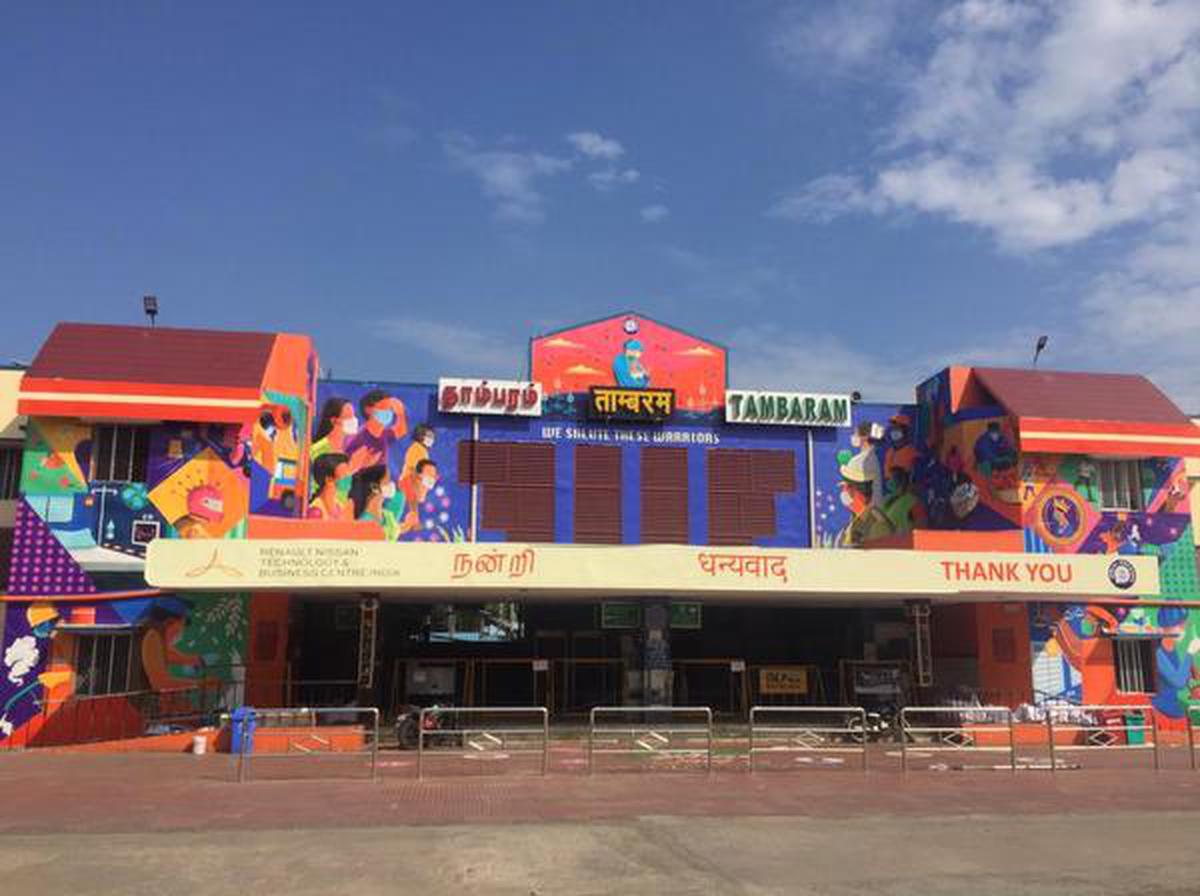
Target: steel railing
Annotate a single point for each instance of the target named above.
(1102, 734)
(650, 738)
(822, 735)
(1188, 715)
(958, 729)
(308, 732)
(480, 739)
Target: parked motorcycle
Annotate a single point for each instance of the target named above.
(436, 724)
(881, 725)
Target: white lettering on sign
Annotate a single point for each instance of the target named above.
(788, 408)
(509, 397)
(639, 436)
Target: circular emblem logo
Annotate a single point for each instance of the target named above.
(1122, 574)
(1060, 518)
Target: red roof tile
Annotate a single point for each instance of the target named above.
(1059, 395)
(112, 353)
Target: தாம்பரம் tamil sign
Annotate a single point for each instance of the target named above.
(786, 408)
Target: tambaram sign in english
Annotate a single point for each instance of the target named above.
(788, 408)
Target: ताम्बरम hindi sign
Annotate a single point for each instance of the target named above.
(786, 408)
(630, 405)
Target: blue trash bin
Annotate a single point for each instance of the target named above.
(242, 723)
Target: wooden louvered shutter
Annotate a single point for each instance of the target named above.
(597, 494)
(664, 496)
(742, 487)
(531, 471)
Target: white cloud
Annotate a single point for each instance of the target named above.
(507, 176)
(609, 178)
(840, 35)
(824, 199)
(461, 350)
(1044, 125)
(764, 357)
(654, 213)
(595, 146)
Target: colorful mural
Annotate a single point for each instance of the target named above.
(382, 453)
(866, 478)
(192, 649)
(1073, 645)
(1073, 655)
(635, 352)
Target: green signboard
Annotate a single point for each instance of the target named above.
(629, 615)
(620, 615)
(685, 616)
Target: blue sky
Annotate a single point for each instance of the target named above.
(848, 195)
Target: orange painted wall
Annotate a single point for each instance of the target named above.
(266, 666)
(1004, 653)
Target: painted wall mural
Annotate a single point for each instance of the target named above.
(382, 453)
(1073, 656)
(198, 481)
(635, 352)
(867, 478)
(192, 649)
(1073, 645)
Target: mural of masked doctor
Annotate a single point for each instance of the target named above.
(628, 369)
(1173, 661)
(385, 423)
(861, 490)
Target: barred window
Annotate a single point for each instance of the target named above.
(1120, 484)
(120, 453)
(10, 471)
(1134, 662)
(103, 663)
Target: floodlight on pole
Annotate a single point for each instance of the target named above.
(1039, 348)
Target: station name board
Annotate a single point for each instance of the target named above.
(786, 408)
(632, 405)
(509, 397)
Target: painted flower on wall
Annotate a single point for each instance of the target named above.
(21, 656)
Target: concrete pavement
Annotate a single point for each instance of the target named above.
(133, 824)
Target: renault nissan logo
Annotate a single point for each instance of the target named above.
(1122, 574)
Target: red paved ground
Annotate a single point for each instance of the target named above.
(61, 792)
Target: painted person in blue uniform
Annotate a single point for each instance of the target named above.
(628, 369)
(1173, 662)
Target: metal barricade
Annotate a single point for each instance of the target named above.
(651, 738)
(483, 739)
(1109, 729)
(308, 733)
(959, 729)
(812, 735)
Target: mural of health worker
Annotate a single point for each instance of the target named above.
(385, 421)
(332, 482)
(1173, 662)
(996, 462)
(627, 366)
(377, 500)
(337, 424)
